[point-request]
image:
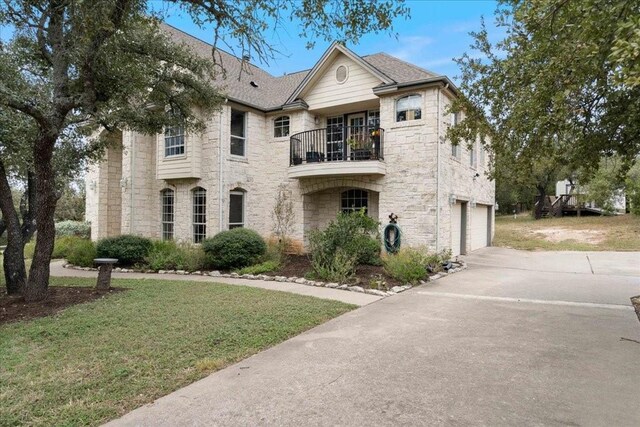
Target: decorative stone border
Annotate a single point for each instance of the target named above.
(457, 266)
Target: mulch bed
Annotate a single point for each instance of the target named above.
(366, 275)
(14, 309)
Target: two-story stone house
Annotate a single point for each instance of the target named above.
(354, 131)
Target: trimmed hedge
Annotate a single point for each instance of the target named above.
(128, 249)
(82, 253)
(234, 248)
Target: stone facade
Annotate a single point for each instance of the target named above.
(421, 178)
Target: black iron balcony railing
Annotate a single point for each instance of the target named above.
(337, 143)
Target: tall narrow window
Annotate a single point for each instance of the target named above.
(335, 135)
(199, 214)
(473, 161)
(483, 159)
(455, 151)
(354, 200)
(455, 119)
(373, 118)
(238, 132)
(409, 108)
(168, 211)
(236, 209)
(173, 141)
(281, 127)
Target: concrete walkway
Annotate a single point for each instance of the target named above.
(493, 345)
(348, 297)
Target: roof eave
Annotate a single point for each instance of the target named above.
(443, 80)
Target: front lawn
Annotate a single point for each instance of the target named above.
(95, 361)
(587, 233)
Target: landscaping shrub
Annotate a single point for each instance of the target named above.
(73, 228)
(64, 244)
(82, 253)
(351, 239)
(234, 248)
(340, 267)
(168, 255)
(127, 249)
(412, 264)
(263, 267)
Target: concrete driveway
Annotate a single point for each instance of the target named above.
(517, 339)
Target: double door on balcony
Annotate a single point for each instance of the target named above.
(352, 141)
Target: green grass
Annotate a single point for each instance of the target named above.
(592, 233)
(98, 360)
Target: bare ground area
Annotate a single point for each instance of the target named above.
(596, 233)
(14, 308)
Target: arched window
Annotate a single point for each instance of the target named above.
(409, 108)
(236, 208)
(354, 200)
(281, 127)
(168, 212)
(199, 217)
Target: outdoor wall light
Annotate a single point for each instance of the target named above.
(452, 199)
(316, 120)
(476, 176)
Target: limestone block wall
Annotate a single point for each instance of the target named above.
(409, 184)
(103, 183)
(458, 179)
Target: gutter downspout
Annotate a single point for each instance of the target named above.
(438, 172)
(220, 176)
(133, 174)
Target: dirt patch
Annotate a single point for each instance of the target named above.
(14, 309)
(367, 276)
(560, 234)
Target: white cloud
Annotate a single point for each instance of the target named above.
(411, 47)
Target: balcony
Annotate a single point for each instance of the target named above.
(337, 150)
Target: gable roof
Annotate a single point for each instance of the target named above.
(325, 60)
(269, 93)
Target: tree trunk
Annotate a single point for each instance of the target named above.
(37, 286)
(543, 196)
(15, 273)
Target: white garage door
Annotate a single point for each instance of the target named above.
(456, 229)
(479, 223)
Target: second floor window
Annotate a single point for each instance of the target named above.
(455, 151)
(238, 132)
(409, 108)
(373, 118)
(173, 141)
(281, 127)
(473, 161)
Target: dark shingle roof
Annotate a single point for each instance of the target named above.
(397, 69)
(272, 92)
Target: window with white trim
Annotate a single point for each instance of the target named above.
(455, 150)
(335, 135)
(168, 213)
(354, 200)
(199, 217)
(238, 132)
(473, 159)
(373, 118)
(281, 127)
(455, 119)
(173, 141)
(236, 209)
(409, 108)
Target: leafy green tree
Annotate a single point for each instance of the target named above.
(74, 67)
(559, 91)
(71, 204)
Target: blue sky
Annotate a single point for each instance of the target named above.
(436, 32)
